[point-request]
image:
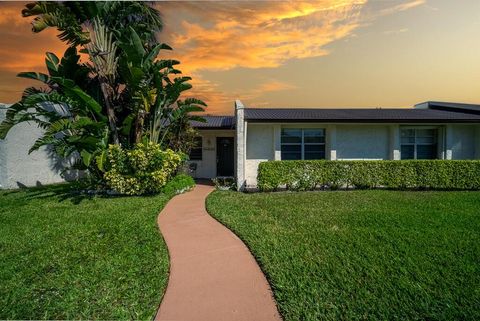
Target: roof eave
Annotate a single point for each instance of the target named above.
(367, 121)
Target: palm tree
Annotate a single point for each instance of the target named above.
(72, 18)
(97, 26)
(123, 93)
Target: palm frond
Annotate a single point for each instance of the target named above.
(55, 14)
(102, 50)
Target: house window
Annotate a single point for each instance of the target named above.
(196, 151)
(303, 143)
(418, 143)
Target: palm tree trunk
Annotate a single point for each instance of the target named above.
(139, 121)
(110, 112)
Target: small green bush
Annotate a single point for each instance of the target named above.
(224, 183)
(145, 169)
(179, 184)
(404, 174)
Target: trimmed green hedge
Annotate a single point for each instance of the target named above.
(399, 174)
(179, 184)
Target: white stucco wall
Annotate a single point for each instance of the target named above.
(17, 167)
(477, 141)
(362, 142)
(207, 167)
(463, 141)
(353, 142)
(260, 148)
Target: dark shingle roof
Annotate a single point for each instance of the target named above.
(434, 113)
(353, 115)
(215, 122)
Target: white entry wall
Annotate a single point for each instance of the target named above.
(207, 166)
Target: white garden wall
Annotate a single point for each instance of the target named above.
(17, 167)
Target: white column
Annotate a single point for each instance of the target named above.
(448, 141)
(240, 144)
(277, 147)
(394, 142)
(331, 143)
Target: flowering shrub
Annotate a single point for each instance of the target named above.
(145, 169)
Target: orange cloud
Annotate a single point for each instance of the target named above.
(211, 36)
(20, 48)
(403, 6)
(228, 35)
(275, 85)
(262, 36)
(219, 101)
(10, 14)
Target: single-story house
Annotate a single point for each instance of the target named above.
(233, 146)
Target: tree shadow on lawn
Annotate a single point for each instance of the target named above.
(67, 192)
(63, 192)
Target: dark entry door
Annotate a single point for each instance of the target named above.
(224, 156)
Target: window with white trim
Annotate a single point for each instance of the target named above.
(298, 143)
(419, 143)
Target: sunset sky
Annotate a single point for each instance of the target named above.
(330, 53)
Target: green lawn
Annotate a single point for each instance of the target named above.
(64, 257)
(363, 255)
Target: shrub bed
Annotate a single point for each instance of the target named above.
(405, 174)
(145, 169)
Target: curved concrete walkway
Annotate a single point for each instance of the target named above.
(213, 276)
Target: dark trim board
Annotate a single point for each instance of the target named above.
(357, 115)
(365, 121)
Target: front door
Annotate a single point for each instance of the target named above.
(224, 156)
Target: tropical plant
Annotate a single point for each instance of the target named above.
(72, 119)
(97, 26)
(121, 94)
(153, 95)
(179, 134)
(72, 18)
